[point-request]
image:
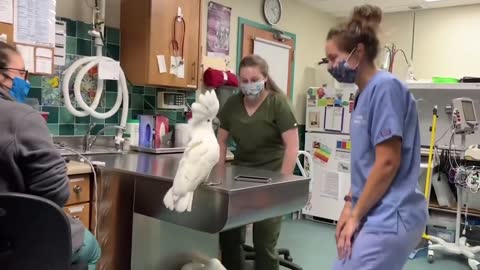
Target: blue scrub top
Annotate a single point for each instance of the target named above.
(386, 109)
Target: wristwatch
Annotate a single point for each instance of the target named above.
(347, 198)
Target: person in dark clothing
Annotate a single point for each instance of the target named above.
(30, 162)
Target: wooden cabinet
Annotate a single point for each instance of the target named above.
(147, 30)
(78, 204)
(79, 189)
(80, 212)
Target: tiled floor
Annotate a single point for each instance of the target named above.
(312, 246)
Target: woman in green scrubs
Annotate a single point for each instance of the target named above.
(261, 122)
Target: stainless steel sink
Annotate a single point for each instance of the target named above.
(104, 145)
(94, 151)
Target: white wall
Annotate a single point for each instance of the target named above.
(398, 28)
(446, 41)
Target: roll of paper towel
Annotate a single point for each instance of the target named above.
(182, 135)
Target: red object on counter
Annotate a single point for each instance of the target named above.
(216, 78)
(45, 115)
(161, 129)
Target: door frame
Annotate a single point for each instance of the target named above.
(241, 23)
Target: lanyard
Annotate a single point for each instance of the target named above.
(175, 43)
(357, 95)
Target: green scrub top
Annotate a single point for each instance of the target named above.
(258, 137)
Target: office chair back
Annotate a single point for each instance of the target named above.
(34, 234)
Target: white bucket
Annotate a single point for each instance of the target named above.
(182, 135)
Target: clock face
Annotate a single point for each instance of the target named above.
(272, 10)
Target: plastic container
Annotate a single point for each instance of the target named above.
(444, 80)
(126, 142)
(133, 130)
(182, 135)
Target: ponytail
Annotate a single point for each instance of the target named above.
(273, 86)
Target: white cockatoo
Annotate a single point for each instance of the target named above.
(201, 154)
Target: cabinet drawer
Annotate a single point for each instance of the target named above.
(81, 212)
(79, 189)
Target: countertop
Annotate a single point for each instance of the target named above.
(223, 204)
(164, 167)
(76, 167)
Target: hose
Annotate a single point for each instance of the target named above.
(302, 169)
(309, 159)
(85, 64)
(122, 93)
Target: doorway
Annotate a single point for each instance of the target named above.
(275, 46)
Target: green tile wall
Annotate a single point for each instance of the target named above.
(47, 89)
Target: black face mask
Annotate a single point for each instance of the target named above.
(343, 73)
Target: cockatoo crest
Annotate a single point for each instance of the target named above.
(205, 108)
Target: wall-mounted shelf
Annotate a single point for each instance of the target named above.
(435, 86)
(449, 210)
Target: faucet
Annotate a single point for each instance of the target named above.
(88, 142)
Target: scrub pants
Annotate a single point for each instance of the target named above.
(380, 251)
(265, 237)
(89, 252)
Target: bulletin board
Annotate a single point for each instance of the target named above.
(30, 26)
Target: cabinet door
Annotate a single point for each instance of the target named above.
(192, 43)
(163, 14)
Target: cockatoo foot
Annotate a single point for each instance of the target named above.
(169, 201)
(185, 203)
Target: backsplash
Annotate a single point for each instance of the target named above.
(47, 89)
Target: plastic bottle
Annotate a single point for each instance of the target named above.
(133, 127)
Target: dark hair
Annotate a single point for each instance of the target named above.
(257, 61)
(361, 28)
(6, 50)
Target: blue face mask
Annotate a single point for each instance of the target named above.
(20, 89)
(253, 89)
(343, 73)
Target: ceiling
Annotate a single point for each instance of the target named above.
(341, 8)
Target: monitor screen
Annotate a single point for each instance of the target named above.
(468, 111)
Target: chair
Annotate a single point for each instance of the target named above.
(34, 234)
(286, 261)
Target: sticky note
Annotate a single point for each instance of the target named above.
(109, 70)
(162, 66)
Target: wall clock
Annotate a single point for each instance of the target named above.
(272, 10)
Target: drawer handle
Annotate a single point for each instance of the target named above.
(77, 189)
(194, 74)
(76, 217)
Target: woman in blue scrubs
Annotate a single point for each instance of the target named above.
(384, 214)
